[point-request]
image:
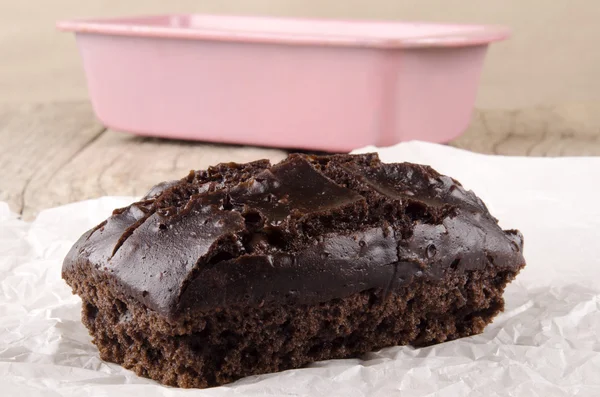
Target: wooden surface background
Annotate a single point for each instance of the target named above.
(56, 153)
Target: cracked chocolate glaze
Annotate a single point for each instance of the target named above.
(306, 230)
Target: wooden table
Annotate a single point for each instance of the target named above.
(52, 154)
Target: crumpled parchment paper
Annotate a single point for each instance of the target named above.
(546, 343)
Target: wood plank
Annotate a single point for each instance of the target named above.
(56, 153)
(36, 141)
(565, 130)
(53, 154)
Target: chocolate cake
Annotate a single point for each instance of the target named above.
(251, 268)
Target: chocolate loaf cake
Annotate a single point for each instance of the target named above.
(251, 268)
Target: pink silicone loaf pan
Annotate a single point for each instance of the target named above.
(293, 83)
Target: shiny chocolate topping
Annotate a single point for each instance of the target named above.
(306, 230)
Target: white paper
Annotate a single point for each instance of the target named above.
(546, 343)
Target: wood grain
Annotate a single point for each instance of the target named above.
(56, 153)
(36, 142)
(566, 130)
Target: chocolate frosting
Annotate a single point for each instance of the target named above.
(306, 230)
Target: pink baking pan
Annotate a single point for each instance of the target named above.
(295, 83)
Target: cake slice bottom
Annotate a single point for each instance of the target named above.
(223, 345)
